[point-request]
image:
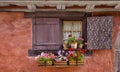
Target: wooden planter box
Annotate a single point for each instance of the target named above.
(61, 63)
(45, 63)
(76, 63)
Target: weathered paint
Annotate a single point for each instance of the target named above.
(16, 39)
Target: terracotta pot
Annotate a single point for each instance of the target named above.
(45, 63)
(74, 45)
(65, 46)
(80, 46)
(49, 63)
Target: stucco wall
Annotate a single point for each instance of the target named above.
(16, 39)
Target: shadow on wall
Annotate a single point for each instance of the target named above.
(117, 43)
(117, 53)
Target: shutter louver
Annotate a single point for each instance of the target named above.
(99, 32)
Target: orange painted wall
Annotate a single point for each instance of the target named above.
(16, 39)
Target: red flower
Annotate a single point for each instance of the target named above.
(80, 39)
(83, 51)
(76, 56)
(70, 49)
(71, 55)
(70, 35)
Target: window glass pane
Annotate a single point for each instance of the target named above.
(72, 27)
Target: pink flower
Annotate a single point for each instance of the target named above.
(45, 55)
(86, 43)
(42, 54)
(70, 52)
(59, 52)
(80, 39)
(52, 56)
(65, 58)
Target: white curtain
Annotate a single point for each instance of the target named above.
(72, 27)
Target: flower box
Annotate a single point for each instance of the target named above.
(61, 63)
(76, 63)
(41, 63)
(45, 63)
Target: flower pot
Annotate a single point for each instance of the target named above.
(65, 46)
(49, 63)
(80, 46)
(74, 45)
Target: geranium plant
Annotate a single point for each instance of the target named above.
(45, 57)
(74, 56)
(80, 40)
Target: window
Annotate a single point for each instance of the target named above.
(51, 28)
(72, 27)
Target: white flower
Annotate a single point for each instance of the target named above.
(37, 57)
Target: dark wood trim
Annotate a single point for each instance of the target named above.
(84, 30)
(60, 14)
(13, 7)
(104, 6)
(33, 31)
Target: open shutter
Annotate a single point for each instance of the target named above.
(47, 34)
(99, 32)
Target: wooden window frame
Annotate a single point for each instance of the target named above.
(62, 15)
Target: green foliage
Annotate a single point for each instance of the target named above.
(75, 56)
(72, 39)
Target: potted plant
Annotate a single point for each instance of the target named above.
(45, 58)
(65, 44)
(73, 42)
(75, 58)
(80, 42)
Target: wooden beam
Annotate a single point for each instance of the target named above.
(117, 6)
(60, 5)
(31, 7)
(61, 2)
(63, 7)
(90, 7)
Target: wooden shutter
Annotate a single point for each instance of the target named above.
(99, 32)
(47, 34)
